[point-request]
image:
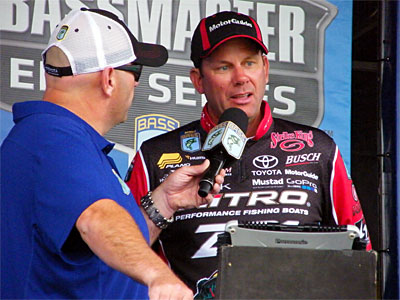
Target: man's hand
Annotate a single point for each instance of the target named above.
(180, 189)
(168, 286)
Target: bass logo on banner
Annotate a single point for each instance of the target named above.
(148, 126)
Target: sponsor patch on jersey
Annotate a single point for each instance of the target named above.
(169, 159)
(292, 141)
(301, 173)
(303, 159)
(302, 184)
(228, 171)
(199, 157)
(267, 182)
(190, 141)
(148, 126)
(265, 161)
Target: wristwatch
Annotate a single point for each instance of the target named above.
(154, 214)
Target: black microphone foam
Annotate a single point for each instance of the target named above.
(235, 115)
(218, 156)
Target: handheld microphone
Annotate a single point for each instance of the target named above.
(224, 143)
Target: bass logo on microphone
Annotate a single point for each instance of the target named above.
(214, 139)
(229, 135)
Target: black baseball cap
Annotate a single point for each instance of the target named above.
(214, 30)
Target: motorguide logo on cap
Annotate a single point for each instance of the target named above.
(214, 30)
(228, 22)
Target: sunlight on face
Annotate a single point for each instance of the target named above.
(234, 75)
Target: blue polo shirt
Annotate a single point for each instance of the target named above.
(53, 166)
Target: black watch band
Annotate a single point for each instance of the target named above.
(153, 213)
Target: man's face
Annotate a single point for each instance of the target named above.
(234, 75)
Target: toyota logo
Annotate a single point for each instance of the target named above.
(265, 161)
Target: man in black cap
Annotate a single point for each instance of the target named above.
(289, 173)
(70, 227)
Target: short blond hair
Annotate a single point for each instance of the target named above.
(56, 57)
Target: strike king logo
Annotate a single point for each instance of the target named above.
(293, 141)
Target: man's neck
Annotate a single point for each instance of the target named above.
(85, 107)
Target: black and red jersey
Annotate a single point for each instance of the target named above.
(288, 173)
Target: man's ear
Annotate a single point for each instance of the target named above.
(266, 67)
(108, 81)
(197, 79)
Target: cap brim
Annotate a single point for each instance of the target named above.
(151, 55)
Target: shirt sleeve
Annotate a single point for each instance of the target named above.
(346, 207)
(138, 177)
(71, 175)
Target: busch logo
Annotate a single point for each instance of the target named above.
(303, 158)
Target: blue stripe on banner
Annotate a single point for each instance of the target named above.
(6, 123)
(337, 78)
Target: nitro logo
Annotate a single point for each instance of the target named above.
(302, 159)
(267, 197)
(228, 22)
(293, 141)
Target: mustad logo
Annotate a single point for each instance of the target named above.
(263, 182)
(228, 22)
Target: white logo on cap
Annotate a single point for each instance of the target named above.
(228, 22)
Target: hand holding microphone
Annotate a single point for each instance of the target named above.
(224, 143)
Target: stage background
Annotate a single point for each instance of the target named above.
(310, 57)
